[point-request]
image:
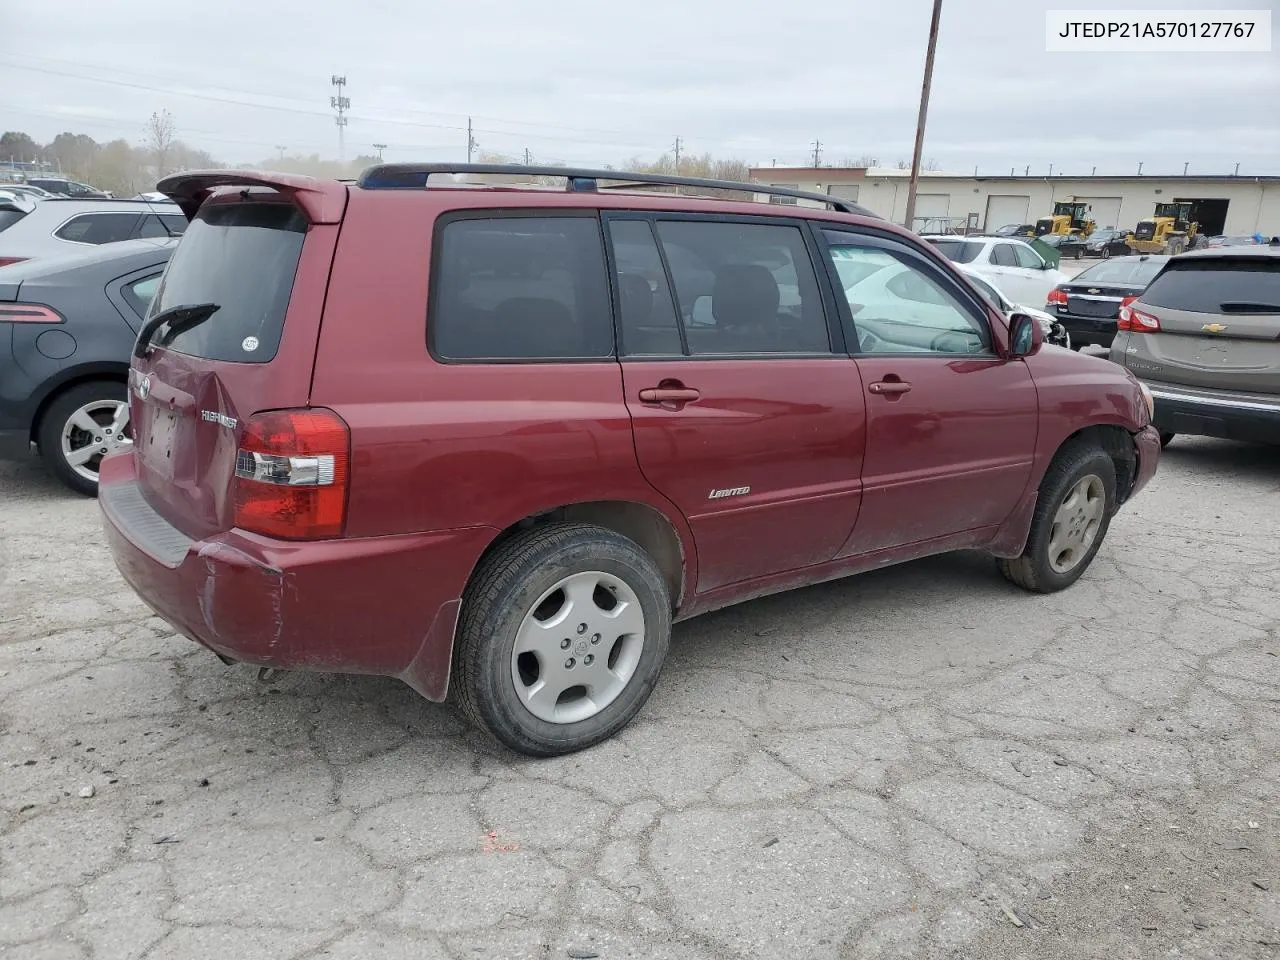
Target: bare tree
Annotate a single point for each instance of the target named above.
(866, 160)
(161, 134)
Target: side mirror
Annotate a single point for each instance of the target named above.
(1025, 335)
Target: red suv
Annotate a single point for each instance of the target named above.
(493, 440)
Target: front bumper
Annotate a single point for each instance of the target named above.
(382, 605)
(1216, 413)
(1146, 445)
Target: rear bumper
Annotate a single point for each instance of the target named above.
(384, 605)
(1216, 413)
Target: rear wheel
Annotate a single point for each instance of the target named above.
(1106, 253)
(1073, 512)
(1079, 253)
(563, 634)
(81, 427)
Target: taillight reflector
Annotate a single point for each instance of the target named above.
(1057, 295)
(1134, 320)
(28, 313)
(291, 474)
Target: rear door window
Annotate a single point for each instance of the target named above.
(98, 228)
(520, 289)
(1002, 255)
(243, 257)
(1218, 285)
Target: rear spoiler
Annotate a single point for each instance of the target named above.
(323, 201)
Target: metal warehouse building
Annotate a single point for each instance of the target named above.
(1233, 205)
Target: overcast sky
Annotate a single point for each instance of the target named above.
(595, 81)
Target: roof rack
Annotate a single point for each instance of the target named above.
(408, 176)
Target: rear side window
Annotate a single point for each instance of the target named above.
(1027, 257)
(520, 288)
(1137, 272)
(98, 228)
(1218, 285)
(140, 293)
(1002, 255)
(170, 225)
(958, 251)
(9, 217)
(243, 257)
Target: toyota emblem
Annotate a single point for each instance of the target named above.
(144, 388)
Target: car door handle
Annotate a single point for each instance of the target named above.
(890, 387)
(669, 395)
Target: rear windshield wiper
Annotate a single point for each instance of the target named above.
(179, 318)
(1248, 306)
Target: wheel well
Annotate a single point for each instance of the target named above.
(643, 524)
(113, 376)
(1118, 445)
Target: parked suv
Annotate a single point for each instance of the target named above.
(58, 226)
(67, 327)
(1205, 336)
(493, 441)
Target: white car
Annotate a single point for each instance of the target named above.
(1014, 266)
(1054, 332)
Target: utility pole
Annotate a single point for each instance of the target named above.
(280, 148)
(924, 111)
(379, 147)
(1184, 167)
(1237, 173)
(1139, 168)
(678, 145)
(1027, 172)
(817, 153)
(1095, 171)
(1051, 169)
(528, 157)
(341, 104)
(471, 141)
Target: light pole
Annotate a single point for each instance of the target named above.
(924, 110)
(379, 147)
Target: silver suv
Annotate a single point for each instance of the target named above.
(1205, 337)
(32, 229)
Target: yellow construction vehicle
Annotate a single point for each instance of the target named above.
(1170, 231)
(1069, 218)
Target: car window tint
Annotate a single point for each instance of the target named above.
(987, 290)
(176, 223)
(139, 293)
(646, 313)
(521, 288)
(1205, 285)
(98, 228)
(9, 217)
(744, 288)
(898, 307)
(1133, 271)
(1029, 258)
(1002, 255)
(958, 251)
(152, 227)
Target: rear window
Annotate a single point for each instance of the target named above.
(958, 251)
(9, 217)
(1218, 285)
(243, 257)
(520, 288)
(1136, 272)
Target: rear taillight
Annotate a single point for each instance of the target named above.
(28, 313)
(291, 474)
(1057, 295)
(5, 261)
(1133, 320)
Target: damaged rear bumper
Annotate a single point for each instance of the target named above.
(381, 605)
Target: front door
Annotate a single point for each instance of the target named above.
(744, 415)
(951, 425)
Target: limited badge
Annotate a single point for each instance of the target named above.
(249, 344)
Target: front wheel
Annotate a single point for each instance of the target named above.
(81, 427)
(1079, 253)
(563, 634)
(1166, 439)
(1073, 512)
(1106, 253)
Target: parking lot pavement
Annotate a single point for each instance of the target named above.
(919, 762)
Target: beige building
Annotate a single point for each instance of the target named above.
(1222, 205)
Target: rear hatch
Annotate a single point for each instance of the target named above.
(1099, 291)
(1219, 323)
(261, 252)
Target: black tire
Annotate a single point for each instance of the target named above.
(1166, 439)
(55, 419)
(1106, 253)
(1079, 253)
(1032, 570)
(505, 588)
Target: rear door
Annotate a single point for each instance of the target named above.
(951, 424)
(744, 413)
(258, 257)
(1219, 324)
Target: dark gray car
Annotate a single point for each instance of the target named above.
(67, 327)
(1205, 337)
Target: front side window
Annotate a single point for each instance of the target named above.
(98, 228)
(897, 305)
(520, 288)
(1027, 257)
(744, 288)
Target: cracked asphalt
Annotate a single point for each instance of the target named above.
(920, 762)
